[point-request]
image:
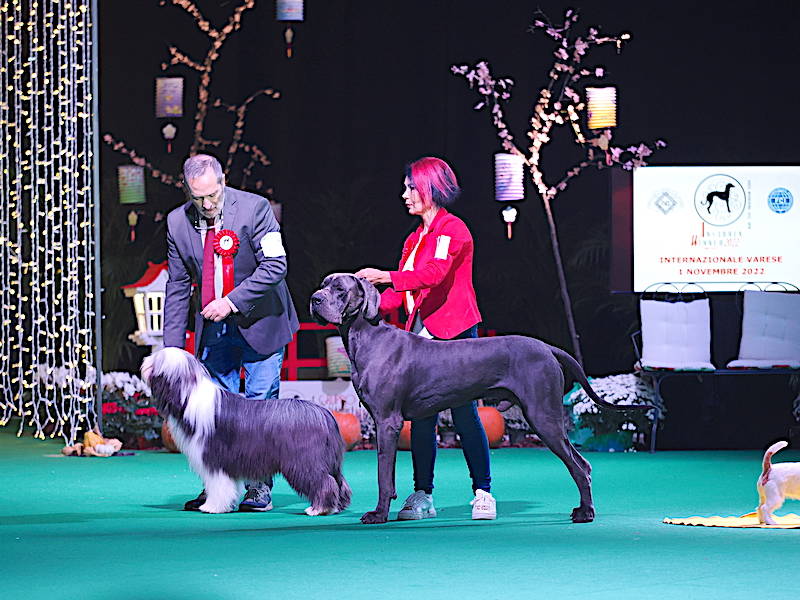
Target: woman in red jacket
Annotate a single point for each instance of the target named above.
(434, 283)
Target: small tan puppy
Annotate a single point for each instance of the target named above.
(776, 483)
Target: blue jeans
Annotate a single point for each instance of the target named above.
(224, 352)
(474, 444)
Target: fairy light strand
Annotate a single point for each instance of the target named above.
(47, 249)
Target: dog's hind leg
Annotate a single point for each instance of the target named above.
(544, 412)
(325, 497)
(345, 493)
(772, 501)
(223, 493)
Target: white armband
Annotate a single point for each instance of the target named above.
(272, 245)
(442, 246)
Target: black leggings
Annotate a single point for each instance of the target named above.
(474, 444)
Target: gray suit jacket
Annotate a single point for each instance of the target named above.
(266, 318)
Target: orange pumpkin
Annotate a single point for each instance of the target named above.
(493, 423)
(349, 427)
(166, 438)
(404, 441)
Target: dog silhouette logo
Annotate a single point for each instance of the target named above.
(780, 200)
(720, 200)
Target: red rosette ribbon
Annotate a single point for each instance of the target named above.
(226, 244)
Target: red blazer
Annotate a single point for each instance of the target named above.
(441, 282)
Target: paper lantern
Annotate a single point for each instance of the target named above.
(602, 107)
(509, 177)
(169, 97)
(338, 362)
(509, 214)
(131, 184)
(168, 131)
(289, 11)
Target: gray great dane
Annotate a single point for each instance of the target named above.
(399, 375)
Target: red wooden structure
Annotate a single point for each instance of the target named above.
(292, 363)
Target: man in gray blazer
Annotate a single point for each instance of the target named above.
(229, 243)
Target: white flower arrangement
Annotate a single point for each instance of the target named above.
(625, 428)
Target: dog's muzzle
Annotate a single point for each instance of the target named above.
(320, 309)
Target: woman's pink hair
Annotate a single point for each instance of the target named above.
(434, 179)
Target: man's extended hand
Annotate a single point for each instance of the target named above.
(216, 310)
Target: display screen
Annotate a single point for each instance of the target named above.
(720, 228)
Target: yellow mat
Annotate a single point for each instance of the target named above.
(790, 521)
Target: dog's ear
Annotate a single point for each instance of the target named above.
(371, 302)
(327, 280)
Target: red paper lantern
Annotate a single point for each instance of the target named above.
(349, 428)
(493, 423)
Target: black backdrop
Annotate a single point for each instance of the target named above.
(369, 89)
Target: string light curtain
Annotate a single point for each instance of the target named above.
(49, 348)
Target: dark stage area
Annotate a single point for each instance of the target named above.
(369, 89)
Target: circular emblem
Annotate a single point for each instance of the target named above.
(780, 200)
(226, 243)
(720, 200)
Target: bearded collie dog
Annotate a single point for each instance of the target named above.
(229, 439)
(776, 482)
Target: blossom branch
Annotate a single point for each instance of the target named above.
(558, 104)
(179, 58)
(205, 68)
(119, 146)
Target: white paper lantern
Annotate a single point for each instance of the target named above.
(289, 10)
(602, 107)
(509, 177)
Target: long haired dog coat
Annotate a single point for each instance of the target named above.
(229, 439)
(776, 483)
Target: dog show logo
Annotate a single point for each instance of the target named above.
(780, 200)
(665, 201)
(720, 200)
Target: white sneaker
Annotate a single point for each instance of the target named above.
(418, 505)
(484, 506)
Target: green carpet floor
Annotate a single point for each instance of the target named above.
(112, 529)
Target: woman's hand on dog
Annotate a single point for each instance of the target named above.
(374, 275)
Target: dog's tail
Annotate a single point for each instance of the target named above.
(571, 366)
(766, 466)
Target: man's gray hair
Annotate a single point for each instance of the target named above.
(196, 165)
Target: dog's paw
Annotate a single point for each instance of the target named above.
(374, 517)
(583, 514)
(215, 509)
(311, 511)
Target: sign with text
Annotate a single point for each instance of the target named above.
(721, 228)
